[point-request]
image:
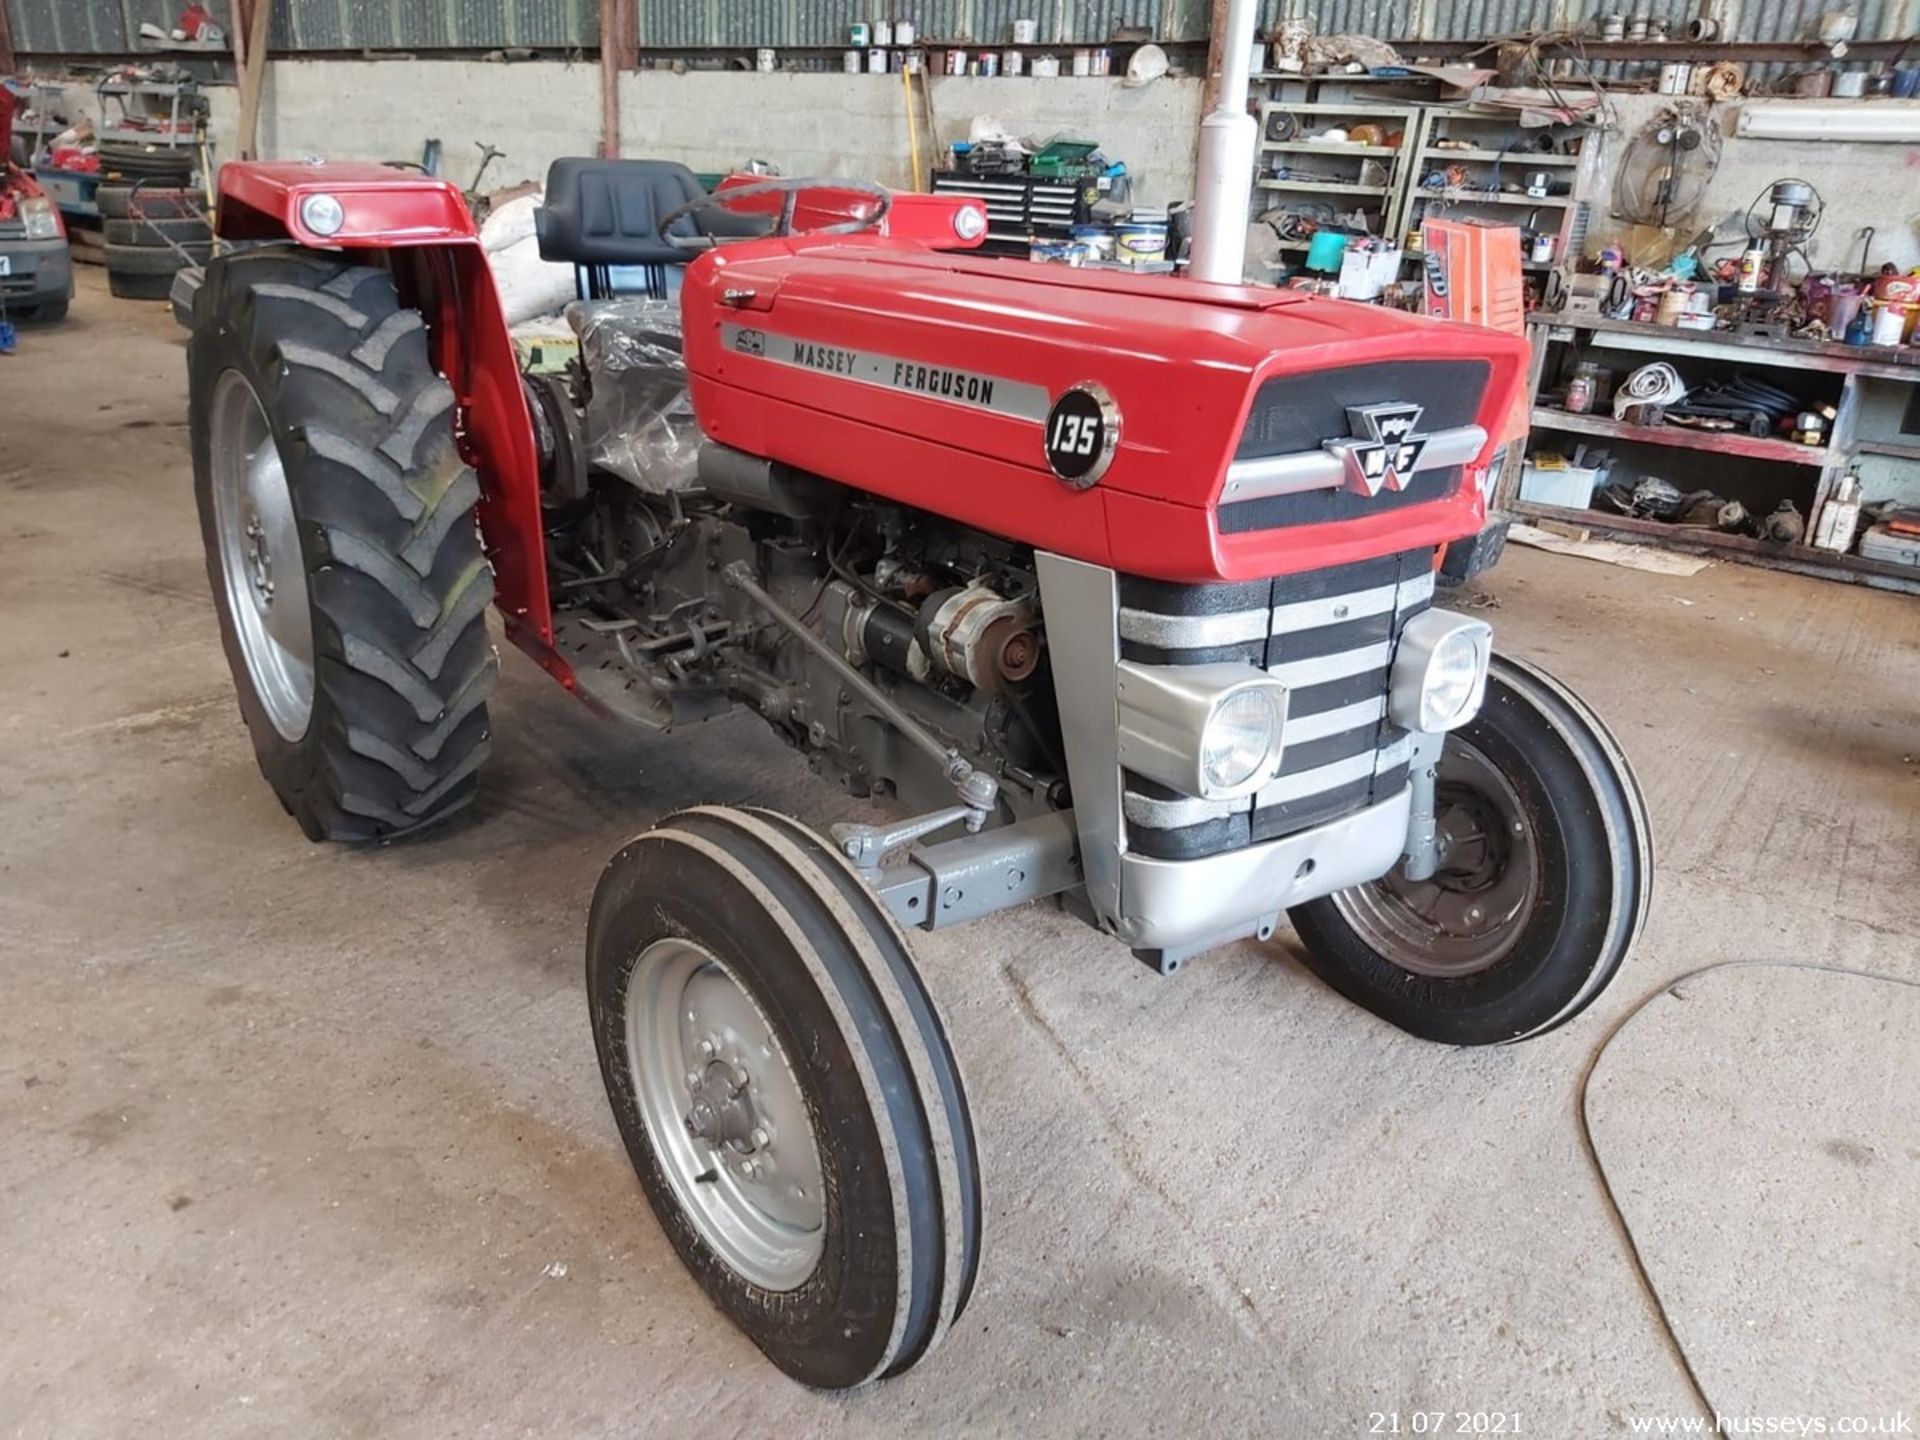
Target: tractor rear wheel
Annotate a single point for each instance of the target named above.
(341, 543)
(786, 1092)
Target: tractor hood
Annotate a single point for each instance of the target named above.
(934, 377)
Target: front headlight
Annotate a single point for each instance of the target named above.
(1210, 731)
(1439, 672)
(43, 221)
(1240, 736)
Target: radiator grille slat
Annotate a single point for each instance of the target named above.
(1329, 636)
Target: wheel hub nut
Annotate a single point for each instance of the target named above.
(721, 1112)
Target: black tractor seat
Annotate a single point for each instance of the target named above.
(603, 215)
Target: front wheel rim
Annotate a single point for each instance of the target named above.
(1480, 901)
(261, 561)
(725, 1115)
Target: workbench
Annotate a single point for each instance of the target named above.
(1875, 407)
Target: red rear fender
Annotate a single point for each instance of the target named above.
(420, 228)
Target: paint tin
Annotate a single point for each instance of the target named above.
(1849, 84)
(1542, 249)
(903, 32)
(1103, 61)
(1026, 32)
(1612, 27)
(1673, 304)
(1046, 67)
(1082, 64)
(876, 62)
(989, 64)
(1636, 27)
(1889, 323)
(1675, 78)
(859, 35)
(851, 62)
(956, 62)
(1012, 62)
(1141, 242)
(882, 33)
(764, 60)
(913, 59)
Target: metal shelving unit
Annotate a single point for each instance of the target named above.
(1336, 172)
(1807, 474)
(1491, 158)
(144, 123)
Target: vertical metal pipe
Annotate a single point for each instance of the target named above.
(1223, 176)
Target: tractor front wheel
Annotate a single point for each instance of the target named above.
(1543, 884)
(341, 543)
(786, 1092)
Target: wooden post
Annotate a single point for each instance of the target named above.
(618, 50)
(7, 63)
(253, 78)
(1216, 30)
(237, 30)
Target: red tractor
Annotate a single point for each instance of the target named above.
(1115, 590)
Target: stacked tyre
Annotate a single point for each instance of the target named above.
(155, 220)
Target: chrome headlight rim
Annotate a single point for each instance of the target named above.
(1431, 644)
(1166, 714)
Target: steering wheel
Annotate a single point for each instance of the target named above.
(790, 190)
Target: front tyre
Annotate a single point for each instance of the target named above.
(786, 1092)
(1544, 879)
(339, 524)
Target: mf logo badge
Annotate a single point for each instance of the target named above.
(751, 342)
(1383, 450)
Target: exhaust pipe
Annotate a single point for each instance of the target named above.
(1223, 180)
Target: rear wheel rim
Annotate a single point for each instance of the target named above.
(260, 556)
(725, 1115)
(1472, 913)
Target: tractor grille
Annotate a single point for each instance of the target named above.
(1292, 414)
(1329, 635)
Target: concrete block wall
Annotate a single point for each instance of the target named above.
(387, 109)
(807, 124)
(856, 125)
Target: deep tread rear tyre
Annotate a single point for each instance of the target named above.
(398, 584)
(139, 287)
(1589, 826)
(155, 259)
(140, 162)
(154, 233)
(159, 202)
(794, 927)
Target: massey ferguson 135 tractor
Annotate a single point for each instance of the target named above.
(1114, 590)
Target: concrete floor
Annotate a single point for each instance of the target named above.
(301, 1141)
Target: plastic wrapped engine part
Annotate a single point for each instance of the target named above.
(640, 420)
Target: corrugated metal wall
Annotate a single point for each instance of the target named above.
(106, 26)
(1480, 19)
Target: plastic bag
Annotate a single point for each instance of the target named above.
(640, 421)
